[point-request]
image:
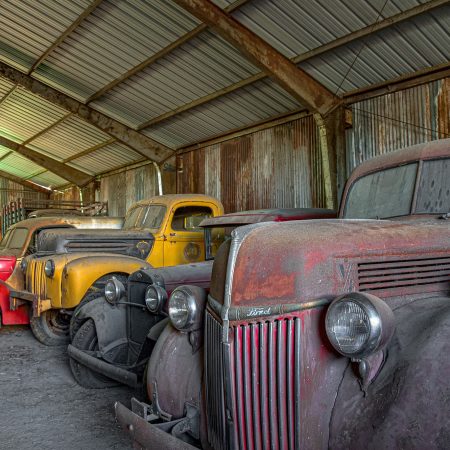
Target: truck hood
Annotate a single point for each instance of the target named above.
(134, 243)
(297, 262)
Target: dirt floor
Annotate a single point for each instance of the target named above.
(42, 407)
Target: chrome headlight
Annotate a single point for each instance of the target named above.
(155, 297)
(114, 290)
(359, 324)
(24, 265)
(49, 268)
(186, 307)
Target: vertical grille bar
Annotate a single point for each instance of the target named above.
(214, 383)
(265, 369)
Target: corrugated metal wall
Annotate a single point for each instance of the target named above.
(10, 191)
(392, 121)
(279, 166)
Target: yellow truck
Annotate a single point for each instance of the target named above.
(72, 266)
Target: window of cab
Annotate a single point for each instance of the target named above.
(188, 218)
(146, 216)
(15, 238)
(419, 187)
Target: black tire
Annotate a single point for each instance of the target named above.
(86, 339)
(51, 327)
(75, 322)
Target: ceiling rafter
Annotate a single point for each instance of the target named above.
(302, 86)
(351, 37)
(63, 36)
(68, 173)
(25, 183)
(142, 144)
(163, 52)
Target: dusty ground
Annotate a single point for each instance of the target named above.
(42, 407)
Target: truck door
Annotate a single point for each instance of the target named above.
(184, 239)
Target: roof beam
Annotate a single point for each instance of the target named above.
(142, 144)
(63, 36)
(163, 52)
(69, 173)
(25, 183)
(294, 80)
(351, 37)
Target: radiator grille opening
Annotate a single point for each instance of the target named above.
(403, 273)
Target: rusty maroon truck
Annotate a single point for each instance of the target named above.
(317, 334)
(113, 335)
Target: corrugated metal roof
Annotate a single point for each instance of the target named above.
(23, 115)
(18, 165)
(38, 24)
(248, 105)
(68, 138)
(113, 39)
(407, 47)
(203, 65)
(48, 179)
(4, 151)
(106, 158)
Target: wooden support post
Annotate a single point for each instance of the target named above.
(333, 151)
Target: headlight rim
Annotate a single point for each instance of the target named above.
(380, 319)
(161, 297)
(192, 318)
(51, 272)
(118, 290)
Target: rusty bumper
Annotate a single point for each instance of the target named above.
(39, 305)
(145, 435)
(97, 365)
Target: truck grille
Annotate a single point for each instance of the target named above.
(36, 278)
(404, 274)
(265, 378)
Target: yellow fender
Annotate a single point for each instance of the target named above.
(80, 274)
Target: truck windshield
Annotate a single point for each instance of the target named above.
(390, 192)
(382, 194)
(145, 217)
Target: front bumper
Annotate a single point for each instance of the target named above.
(145, 435)
(39, 305)
(97, 365)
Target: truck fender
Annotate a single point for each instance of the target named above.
(156, 330)
(175, 371)
(407, 406)
(80, 274)
(110, 321)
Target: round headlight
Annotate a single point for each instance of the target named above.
(114, 290)
(359, 324)
(155, 297)
(186, 307)
(24, 265)
(49, 268)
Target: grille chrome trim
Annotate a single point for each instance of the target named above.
(36, 278)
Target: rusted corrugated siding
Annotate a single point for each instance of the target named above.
(122, 189)
(10, 191)
(275, 167)
(392, 121)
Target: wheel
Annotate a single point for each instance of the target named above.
(75, 322)
(51, 327)
(86, 339)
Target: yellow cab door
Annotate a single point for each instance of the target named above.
(184, 239)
